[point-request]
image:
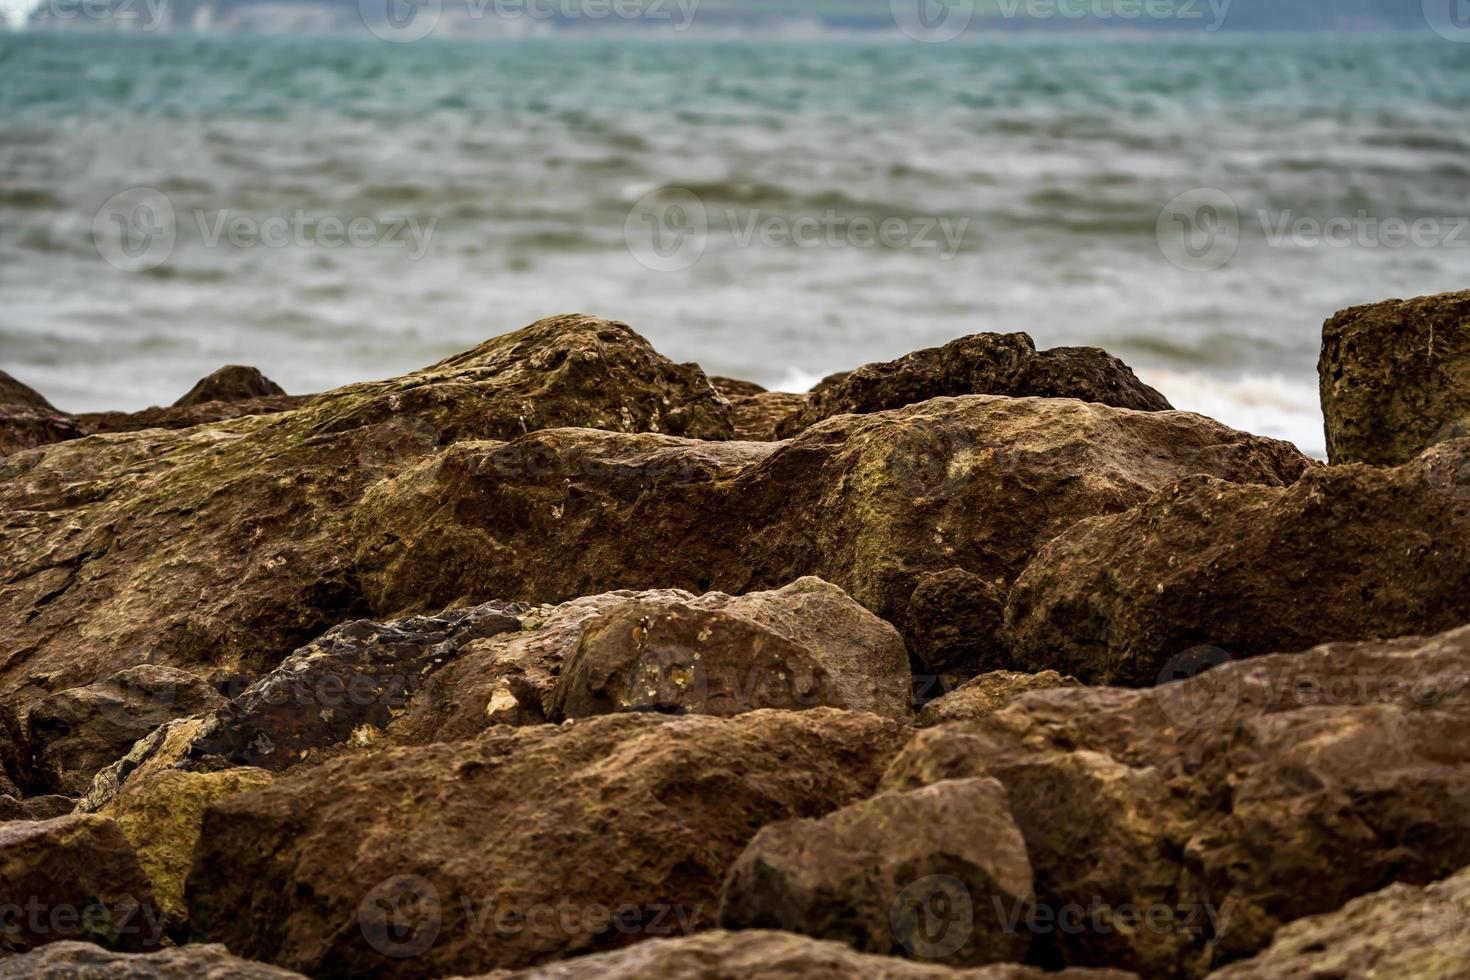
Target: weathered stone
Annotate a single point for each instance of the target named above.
(74, 877)
(85, 961)
(764, 955)
(166, 747)
(870, 503)
(871, 874)
(957, 621)
(28, 420)
(186, 416)
(1347, 553)
(1402, 931)
(981, 364)
(1396, 378)
(78, 732)
(446, 858)
(35, 807)
(161, 815)
(987, 694)
(223, 547)
(231, 383)
(758, 414)
(1229, 804)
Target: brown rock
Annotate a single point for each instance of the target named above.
(1396, 378)
(765, 955)
(80, 731)
(957, 621)
(521, 847)
(875, 874)
(1347, 553)
(166, 747)
(74, 877)
(84, 961)
(1177, 829)
(36, 807)
(231, 383)
(987, 694)
(186, 416)
(28, 420)
(982, 364)
(869, 503)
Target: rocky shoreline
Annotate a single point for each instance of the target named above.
(557, 659)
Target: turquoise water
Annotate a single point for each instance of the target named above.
(1023, 181)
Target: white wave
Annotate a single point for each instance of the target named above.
(1267, 405)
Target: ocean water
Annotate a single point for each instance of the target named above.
(814, 204)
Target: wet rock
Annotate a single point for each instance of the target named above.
(872, 874)
(1396, 378)
(161, 815)
(85, 961)
(869, 503)
(767, 955)
(223, 547)
(981, 364)
(1347, 553)
(78, 732)
(1402, 931)
(35, 807)
(231, 383)
(1177, 829)
(74, 877)
(521, 847)
(987, 694)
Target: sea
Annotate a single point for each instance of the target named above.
(338, 208)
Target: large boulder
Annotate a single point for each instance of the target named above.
(871, 875)
(223, 547)
(1396, 378)
(1402, 931)
(874, 504)
(1177, 829)
(28, 420)
(74, 877)
(521, 847)
(78, 732)
(981, 364)
(85, 961)
(767, 955)
(1347, 553)
(231, 383)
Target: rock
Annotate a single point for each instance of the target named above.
(186, 416)
(523, 846)
(757, 414)
(1396, 378)
(12, 392)
(871, 875)
(84, 961)
(161, 815)
(166, 747)
(1347, 553)
(36, 807)
(957, 621)
(981, 364)
(78, 732)
(870, 503)
(1401, 931)
(221, 548)
(74, 877)
(231, 383)
(766, 955)
(28, 420)
(1177, 829)
(987, 694)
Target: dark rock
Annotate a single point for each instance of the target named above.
(74, 877)
(987, 694)
(12, 392)
(733, 388)
(28, 420)
(1347, 553)
(756, 413)
(957, 621)
(231, 383)
(223, 547)
(186, 416)
(84, 961)
(765, 955)
(521, 847)
(1226, 805)
(80, 731)
(1402, 931)
(872, 875)
(1396, 378)
(35, 807)
(982, 364)
(869, 503)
